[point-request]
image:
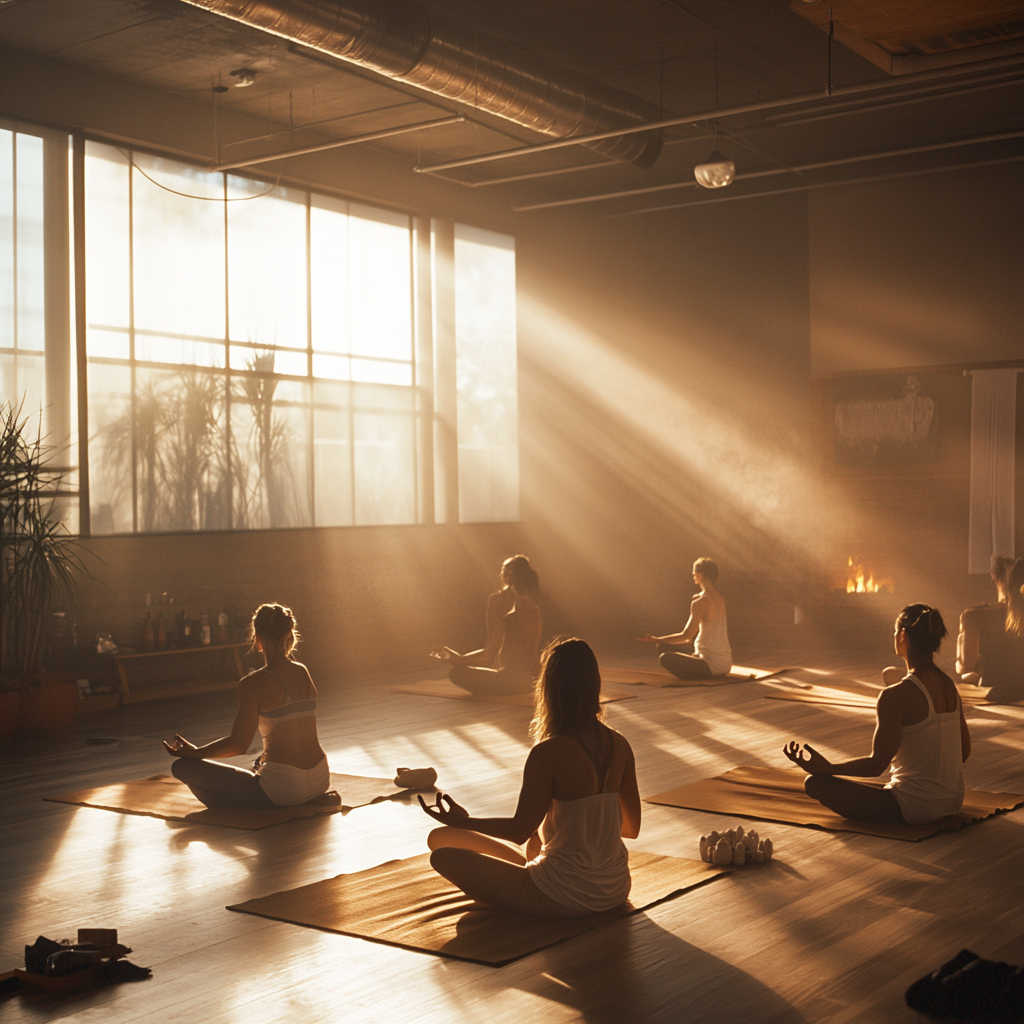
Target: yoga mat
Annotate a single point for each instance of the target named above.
(163, 796)
(969, 695)
(446, 688)
(632, 676)
(406, 903)
(774, 794)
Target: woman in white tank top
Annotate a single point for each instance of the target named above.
(920, 731)
(578, 799)
(706, 629)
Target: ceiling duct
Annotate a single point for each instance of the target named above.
(404, 41)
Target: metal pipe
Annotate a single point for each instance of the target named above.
(709, 115)
(350, 141)
(820, 165)
(404, 41)
(820, 185)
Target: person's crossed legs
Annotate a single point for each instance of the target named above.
(221, 785)
(490, 872)
(854, 800)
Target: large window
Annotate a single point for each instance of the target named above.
(22, 335)
(251, 351)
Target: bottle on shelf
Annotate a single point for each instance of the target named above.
(148, 640)
(222, 627)
(185, 631)
(161, 632)
(205, 629)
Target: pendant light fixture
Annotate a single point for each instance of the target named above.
(716, 171)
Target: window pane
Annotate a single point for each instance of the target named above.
(331, 367)
(485, 343)
(380, 283)
(106, 236)
(384, 454)
(332, 454)
(107, 344)
(267, 266)
(179, 249)
(22, 339)
(328, 258)
(376, 371)
(110, 448)
(29, 213)
(178, 350)
(270, 432)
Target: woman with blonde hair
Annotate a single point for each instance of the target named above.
(510, 658)
(578, 799)
(990, 647)
(280, 699)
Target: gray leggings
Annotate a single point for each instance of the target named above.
(221, 785)
(683, 666)
(489, 681)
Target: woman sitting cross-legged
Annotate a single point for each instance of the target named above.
(921, 731)
(990, 647)
(509, 661)
(579, 790)
(281, 699)
(706, 629)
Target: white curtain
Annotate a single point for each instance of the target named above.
(993, 429)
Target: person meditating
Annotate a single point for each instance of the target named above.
(990, 646)
(579, 789)
(705, 627)
(280, 698)
(509, 660)
(921, 731)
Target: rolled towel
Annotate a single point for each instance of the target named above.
(415, 778)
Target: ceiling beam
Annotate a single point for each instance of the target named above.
(821, 165)
(350, 141)
(711, 115)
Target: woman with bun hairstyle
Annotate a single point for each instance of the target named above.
(920, 731)
(579, 798)
(990, 647)
(509, 661)
(280, 699)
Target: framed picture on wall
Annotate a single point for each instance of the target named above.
(885, 419)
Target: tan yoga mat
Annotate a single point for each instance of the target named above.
(446, 688)
(777, 794)
(811, 694)
(652, 677)
(163, 796)
(406, 903)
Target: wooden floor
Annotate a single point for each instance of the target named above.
(834, 930)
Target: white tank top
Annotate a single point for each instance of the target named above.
(927, 771)
(583, 863)
(712, 644)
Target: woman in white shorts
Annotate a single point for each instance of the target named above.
(279, 699)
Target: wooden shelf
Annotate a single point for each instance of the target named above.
(183, 688)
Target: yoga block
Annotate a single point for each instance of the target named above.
(97, 936)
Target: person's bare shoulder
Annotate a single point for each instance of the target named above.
(981, 611)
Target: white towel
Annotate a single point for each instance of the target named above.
(993, 430)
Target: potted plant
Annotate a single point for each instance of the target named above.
(39, 564)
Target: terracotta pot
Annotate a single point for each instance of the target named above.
(51, 705)
(10, 702)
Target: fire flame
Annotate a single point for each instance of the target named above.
(860, 582)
